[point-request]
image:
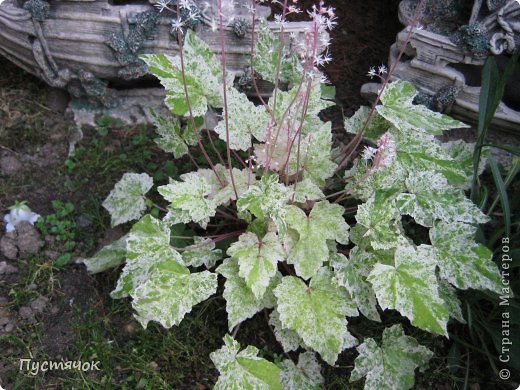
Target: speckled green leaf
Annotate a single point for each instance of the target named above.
(202, 76)
(267, 199)
(147, 245)
(171, 137)
(110, 256)
(244, 120)
(397, 108)
(244, 370)
(202, 252)
(304, 376)
(170, 293)
(241, 303)
(390, 366)
(288, 339)
(351, 273)
(257, 260)
(316, 159)
(411, 287)
(271, 58)
(378, 223)
(191, 196)
(306, 190)
(126, 201)
(431, 198)
(325, 222)
(462, 261)
(449, 295)
(317, 313)
(375, 128)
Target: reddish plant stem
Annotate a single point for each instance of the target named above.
(352, 146)
(186, 94)
(224, 90)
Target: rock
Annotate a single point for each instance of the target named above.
(9, 327)
(6, 269)
(54, 310)
(39, 304)
(8, 246)
(9, 164)
(57, 99)
(26, 312)
(83, 221)
(28, 240)
(3, 302)
(32, 287)
(52, 255)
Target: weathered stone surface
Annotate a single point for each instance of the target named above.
(6, 269)
(28, 239)
(39, 304)
(8, 246)
(9, 164)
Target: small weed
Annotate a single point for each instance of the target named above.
(63, 227)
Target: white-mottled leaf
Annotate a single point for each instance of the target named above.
(411, 287)
(304, 376)
(449, 295)
(462, 261)
(390, 366)
(378, 223)
(431, 198)
(244, 120)
(306, 190)
(257, 260)
(267, 199)
(202, 77)
(397, 108)
(126, 201)
(107, 257)
(244, 370)
(147, 245)
(202, 252)
(288, 339)
(190, 195)
(375, 128)
(171, 137)
(317, 313)
(316, 159)
(241, 303)
(170, 293)
(351, 273)
(325, 222)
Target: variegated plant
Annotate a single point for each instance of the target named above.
(294, 255)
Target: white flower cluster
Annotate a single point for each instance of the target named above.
(380, 72)
(18, 213)
(383, 155)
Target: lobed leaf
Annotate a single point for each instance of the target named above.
(325, 222)
(398, 108)
(391, 365)
(317, 313)
(257, 260)
(462, 261)
(241, 303)
(411, 287)
(126, 201)
(304, 376)
(244, 369)
(170, 293)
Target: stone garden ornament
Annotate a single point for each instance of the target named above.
(91, 48)
(445, 55)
